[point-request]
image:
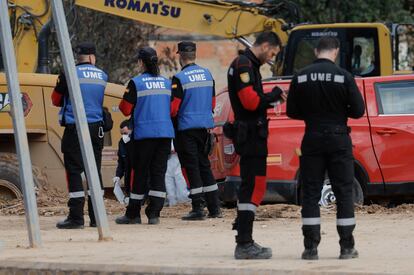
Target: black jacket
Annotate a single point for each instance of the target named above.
(324, 94)
(124, 161)
(244, 72)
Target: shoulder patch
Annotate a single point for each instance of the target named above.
(245, 77)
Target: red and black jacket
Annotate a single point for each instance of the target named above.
(246, 94)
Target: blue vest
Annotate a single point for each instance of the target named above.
(152, 118)
(196, 107)
(92, 84)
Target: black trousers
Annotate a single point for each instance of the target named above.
(253, 154)
(331, 153)
(149, 162)
(251, 193)
(74, 167)
(190, 146)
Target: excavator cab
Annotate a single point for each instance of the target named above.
(367, 49)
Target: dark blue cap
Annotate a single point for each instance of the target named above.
(186, 46)
(147, 54)
(85, 48)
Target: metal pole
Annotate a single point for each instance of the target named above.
(59, 19)
(20, 136)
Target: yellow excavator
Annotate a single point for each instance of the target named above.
(367, 49)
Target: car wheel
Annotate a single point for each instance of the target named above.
(328, 197)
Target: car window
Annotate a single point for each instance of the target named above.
(395, 98)
(305, 53)
(363, 56)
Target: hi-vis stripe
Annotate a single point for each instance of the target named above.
(210, 188)
(153, 92)
(196, 191)
(339, 78)
(345, 222)
(311, 221)
(92, 81)
(157, 194)
(198, 84)
(246, 207)
(302, 78)
(79, 194)
(136, 196)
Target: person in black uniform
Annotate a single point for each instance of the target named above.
(324, 96)
(92, 83)
(192, 107)
(250, 105)
(148, 99)
(123, 169)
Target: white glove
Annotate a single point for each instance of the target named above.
(119, 194)
(116, 180)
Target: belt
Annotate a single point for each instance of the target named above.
(328, 129)
(98, 123)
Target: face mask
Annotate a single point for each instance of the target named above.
(126, 138)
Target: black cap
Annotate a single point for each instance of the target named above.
(85, 48)
(147, 54)
(186, 46)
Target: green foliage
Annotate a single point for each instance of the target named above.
(333, 11)
(117, 40)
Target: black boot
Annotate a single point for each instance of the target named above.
(216, 214)
(126, 220)
(244, 226)
(310, 254)
(154, 221)
(312, 238)
(348, 253)
(246, 248)
(152, 217)
(347, 242)
(92, 220)
(75, 218)
(69, 223)
(132, 214)
(252, 251)
(153, 210)
(197, 213)
(213, 204)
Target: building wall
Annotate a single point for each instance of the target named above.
(214, 54)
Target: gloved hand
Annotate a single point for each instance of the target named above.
(274, 95)
(116, 179)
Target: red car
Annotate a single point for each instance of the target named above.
(383, 142)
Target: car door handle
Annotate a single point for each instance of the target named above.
(384, 132)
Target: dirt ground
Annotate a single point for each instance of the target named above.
(52, 202)
(384, 238)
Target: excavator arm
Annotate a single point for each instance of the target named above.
(227, 19)
(27, 18)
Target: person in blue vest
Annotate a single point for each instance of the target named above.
(192, 108)
(92, 83)
(147, 99)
